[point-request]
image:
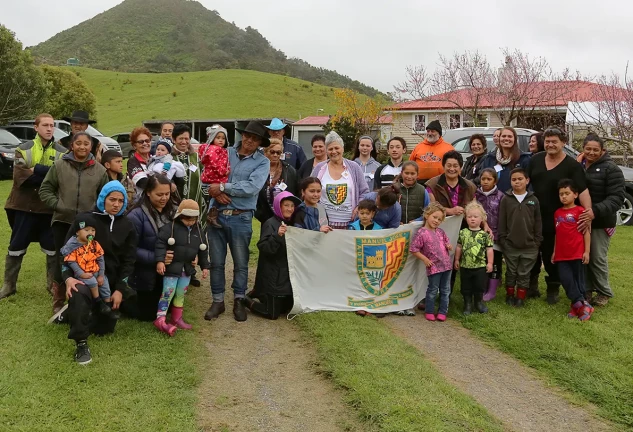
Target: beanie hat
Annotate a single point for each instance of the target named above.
(212, 131)
(282, 197)
(84, 220)
(164, 142)
(112, 186)
(188, 207)
(435, 125)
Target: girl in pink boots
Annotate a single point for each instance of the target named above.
(489, 196)
(184, 238)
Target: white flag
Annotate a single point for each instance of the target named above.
(358, 270)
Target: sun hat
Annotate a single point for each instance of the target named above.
(276, 124)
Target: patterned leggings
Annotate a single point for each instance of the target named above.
(173, 287)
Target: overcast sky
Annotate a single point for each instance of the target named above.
(373, 41)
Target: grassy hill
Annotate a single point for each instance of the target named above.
(176, 36)
(125, 99)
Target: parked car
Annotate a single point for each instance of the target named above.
(459, 139)
(8, 144)
(123, 139)
(65, 127)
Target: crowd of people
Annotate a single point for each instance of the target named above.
(132, 243)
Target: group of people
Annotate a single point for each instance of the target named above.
(132, 243)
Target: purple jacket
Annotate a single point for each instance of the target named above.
(490, 204)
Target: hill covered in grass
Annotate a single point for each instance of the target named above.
(124, 100)
(176, 36)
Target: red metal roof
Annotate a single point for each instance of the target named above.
(561, 93)
(322, 120)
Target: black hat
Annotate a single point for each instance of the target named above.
(435, 125)
(84, 220)
(80, 116)
(257, 129)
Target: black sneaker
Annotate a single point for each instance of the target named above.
(82, 353)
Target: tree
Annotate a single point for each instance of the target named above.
(22, 84)
(355, 116)
(68, 93)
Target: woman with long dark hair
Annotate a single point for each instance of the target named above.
(282, 178)
(537, 143)
(472, 165)
(365, 155)
(155, 209)
(507, 157)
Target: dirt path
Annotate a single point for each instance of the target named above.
(260, 376)
(504, 386)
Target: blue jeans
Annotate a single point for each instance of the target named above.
(439, 282)
(236, 232)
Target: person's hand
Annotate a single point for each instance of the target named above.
(489, 232)
(282, 229)
(584, 226)
(456, 265)
(160, 268)
(553, 257)
(355, 213)
(71, 285)
(449, 247)
(100, 280)
(169, 257)
(214, 190)
(85, 275)
(325, 229)
(585, 258)
(584, 221)
(427, 262)
(489, 268)
(205, 273)
(223, 199)
(116, 297)
(195, 261)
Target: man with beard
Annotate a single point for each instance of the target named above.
(429, 153)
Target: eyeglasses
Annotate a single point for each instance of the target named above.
(275, 152)
(145, 141)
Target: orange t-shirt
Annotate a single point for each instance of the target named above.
(429, 158)
(86, 257)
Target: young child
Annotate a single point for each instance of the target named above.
(474, 258)
(366, 211)
(311, 214)
(113, 163)
(272, 293)
(520, 235)
(489, 196)
(413, 198)
(571, 250)
(163, 163)
(432, 246)
(84, 256)
(214, 158)
(389, 210)
(184, 238)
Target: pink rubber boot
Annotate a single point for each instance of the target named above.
(176, 318)
(491, 292)
(161, 325)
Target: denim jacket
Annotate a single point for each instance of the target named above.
(247, 177)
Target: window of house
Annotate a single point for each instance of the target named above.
(482, 120)
(419, 123)
(454, 121)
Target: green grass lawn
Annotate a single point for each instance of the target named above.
(124, 100)
(592, 360)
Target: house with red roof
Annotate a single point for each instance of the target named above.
(534, 106)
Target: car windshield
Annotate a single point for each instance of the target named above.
(59, 134)
(7, 139)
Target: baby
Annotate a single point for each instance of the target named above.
(84, 256)
(163, 163)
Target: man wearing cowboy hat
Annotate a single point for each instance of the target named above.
(79, 122)
(237, 200)
(293, 153)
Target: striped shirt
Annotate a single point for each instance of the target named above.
(385, 174)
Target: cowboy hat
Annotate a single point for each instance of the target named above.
(276, 125)
(256, 129)
(79, 116)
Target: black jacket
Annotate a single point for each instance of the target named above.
(605, 182)
(186, 248)
(520, 224)
(306, 169)
(144, 277)
(263, 212)
(272, 267)
(472, 168)
(117, 237)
